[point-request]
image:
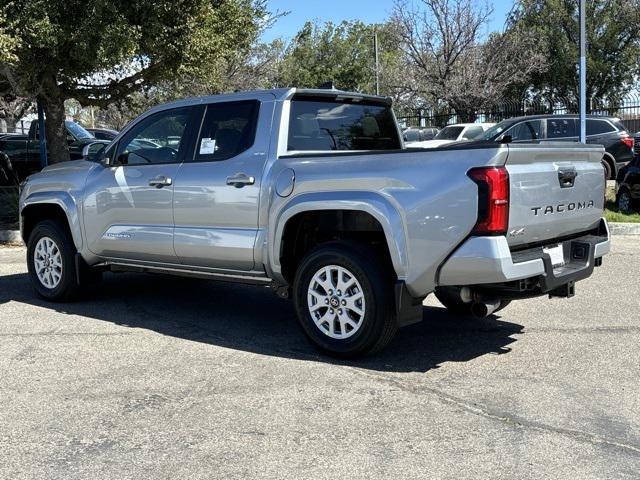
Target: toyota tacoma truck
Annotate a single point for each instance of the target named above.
(312, 193)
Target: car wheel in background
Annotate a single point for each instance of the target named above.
(624, 201)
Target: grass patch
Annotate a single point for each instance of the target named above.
(611, 212)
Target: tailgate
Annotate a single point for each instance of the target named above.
(556, 190)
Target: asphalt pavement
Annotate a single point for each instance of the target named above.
(153, 377)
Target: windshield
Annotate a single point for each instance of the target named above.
(449, 133)
(77, 131)
(321, 124)
(496, 130)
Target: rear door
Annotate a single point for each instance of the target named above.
(217, 189)
(128, 212)
(555, 191)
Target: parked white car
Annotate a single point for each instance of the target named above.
(453, 133)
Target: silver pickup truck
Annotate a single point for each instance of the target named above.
(312, 192)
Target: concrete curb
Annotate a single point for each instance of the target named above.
(10, 236)
(619, 228)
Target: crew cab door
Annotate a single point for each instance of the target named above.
(217, 189)
(128, 204)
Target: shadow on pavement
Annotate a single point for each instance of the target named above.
(253, 319)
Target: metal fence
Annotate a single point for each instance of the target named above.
(626, 109)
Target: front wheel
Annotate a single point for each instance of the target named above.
(344, 300)
(51, 262)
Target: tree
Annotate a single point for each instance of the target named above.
(101, 51)
(613, 50)
(451, 63)
(341, 53)
(13, 108)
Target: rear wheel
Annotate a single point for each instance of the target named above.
(344, 300)
(624, 201)
(450, 298)
(51, 262)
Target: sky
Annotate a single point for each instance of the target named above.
(368, 11)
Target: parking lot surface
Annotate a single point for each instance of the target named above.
(153, 377)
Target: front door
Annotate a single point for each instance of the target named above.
(128, 206)
(217, 191)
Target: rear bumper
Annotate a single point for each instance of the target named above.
(489, 260)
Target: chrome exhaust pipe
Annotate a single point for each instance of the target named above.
(485, 307)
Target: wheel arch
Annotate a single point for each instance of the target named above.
(611, 161)
(55, 206)
(375, 210)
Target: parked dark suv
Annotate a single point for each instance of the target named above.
(628, 187)
(606, 131)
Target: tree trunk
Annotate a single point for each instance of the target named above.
(53, 105)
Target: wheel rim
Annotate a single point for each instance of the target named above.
(47, 260)
(336, 302)
(624, 202)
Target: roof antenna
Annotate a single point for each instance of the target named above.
(328, 86)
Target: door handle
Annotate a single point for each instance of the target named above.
(239, 180)
(160, 181)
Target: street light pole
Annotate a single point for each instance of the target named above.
(583, 74)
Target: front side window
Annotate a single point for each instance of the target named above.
(561, 128)
(327, 124)
(229, 128)
(449, 133)
(156, 139)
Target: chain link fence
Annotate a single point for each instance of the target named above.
(626, 109)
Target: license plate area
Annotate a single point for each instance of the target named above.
(556, 254)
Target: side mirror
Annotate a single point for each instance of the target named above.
(94, 152)
(506, 139)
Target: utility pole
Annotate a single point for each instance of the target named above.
(583, 74)
(375, 49)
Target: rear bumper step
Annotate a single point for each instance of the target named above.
(489, 265)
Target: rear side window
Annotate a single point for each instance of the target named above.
(449, 133)
(561, 128)
(228, 129)
(326, 125)
(598, 127)
(525, 131)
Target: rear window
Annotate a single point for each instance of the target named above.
(449, 133)
(598, 127)
(327, 125)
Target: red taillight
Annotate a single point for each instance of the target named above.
(628, 141)
(493, 200)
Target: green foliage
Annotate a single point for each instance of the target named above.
(613, 36)
(341, 53)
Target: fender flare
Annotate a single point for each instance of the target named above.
(607, 157)
(63, 200)
(372, 203)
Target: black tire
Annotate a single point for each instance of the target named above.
(378, 324)
(68, 287)
(608, 171)
(449, 297)
(624, 202)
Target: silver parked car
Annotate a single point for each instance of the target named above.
(312, 192)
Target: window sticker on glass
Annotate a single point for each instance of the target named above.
(207, 146)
